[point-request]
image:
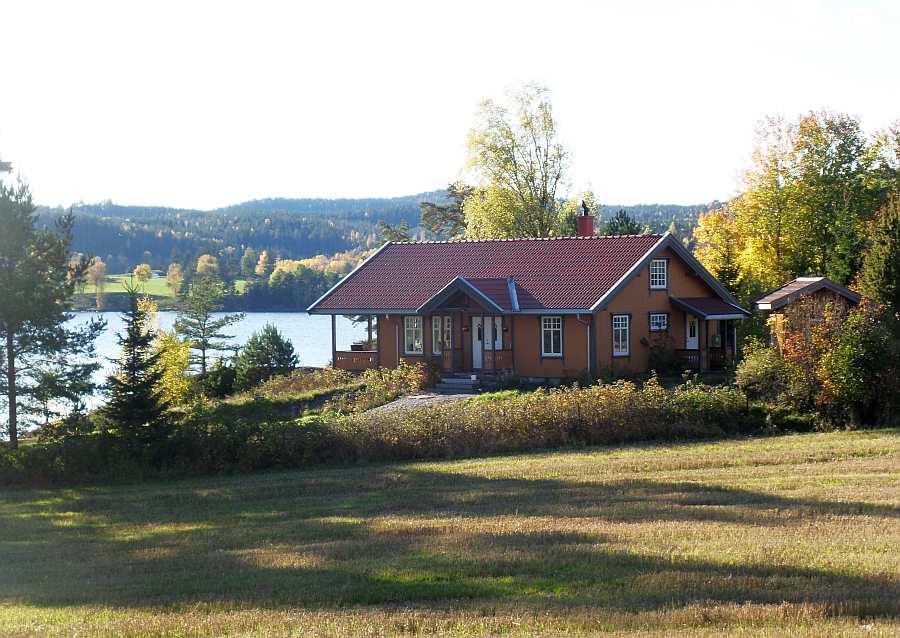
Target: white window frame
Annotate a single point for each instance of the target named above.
(551, 324)
(665, 321)
(436, 334)
(411, 326)
(621, 326)
(659, 278)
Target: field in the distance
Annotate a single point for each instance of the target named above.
(793, 535)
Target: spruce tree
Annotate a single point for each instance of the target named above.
(196, 323)
(880, 275)
(134, 406)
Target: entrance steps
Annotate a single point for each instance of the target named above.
(458, 384)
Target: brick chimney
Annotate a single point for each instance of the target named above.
(585, 222)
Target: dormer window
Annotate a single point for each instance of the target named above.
(659, 274)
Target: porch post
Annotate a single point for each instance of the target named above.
(427, 331)
(494, 344)
(378, 342)
(333, 341)
(705, 344)
(369, 331)
(483, 345)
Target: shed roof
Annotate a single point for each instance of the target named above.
(800, 287)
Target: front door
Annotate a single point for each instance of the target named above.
(692, 333)
(478, 338)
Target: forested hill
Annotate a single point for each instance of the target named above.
(125, 236)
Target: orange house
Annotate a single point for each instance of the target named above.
(537, 308)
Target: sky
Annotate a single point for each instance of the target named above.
(204, 104)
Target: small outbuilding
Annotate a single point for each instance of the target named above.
(804, 301)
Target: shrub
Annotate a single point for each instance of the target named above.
(382, 385)
(219, 380)
(859, 366)
(498, 423)
(662, 355)
(762, 373)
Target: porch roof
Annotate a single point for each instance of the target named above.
(710, 307)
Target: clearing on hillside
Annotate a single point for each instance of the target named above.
(792, 535)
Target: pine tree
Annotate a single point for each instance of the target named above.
(880, 275)
(266, 354)
(197, 324)
(37, 283)
(134, 407)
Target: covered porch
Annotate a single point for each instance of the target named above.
(710, 332)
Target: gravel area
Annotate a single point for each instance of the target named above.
(420, 401)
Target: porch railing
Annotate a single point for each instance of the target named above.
(356, 360)
(504, 360)
(689, 358)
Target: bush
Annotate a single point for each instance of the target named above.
(762, 374)
(218, 382)
(382, 385)
(498, 423)
(859, 366)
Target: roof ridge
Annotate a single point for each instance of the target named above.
(511, 239)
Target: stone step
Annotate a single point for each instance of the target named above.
(459, 380)
(455, 388)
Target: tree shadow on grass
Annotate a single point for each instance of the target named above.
(383, 536)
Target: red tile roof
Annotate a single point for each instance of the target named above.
(558, 273)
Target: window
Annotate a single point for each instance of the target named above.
(412, 330)
(621, 335)
(436, 334)
(659, 276)
(551, 336)
(659, 322)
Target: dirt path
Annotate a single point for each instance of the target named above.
(414, 401)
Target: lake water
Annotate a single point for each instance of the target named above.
(310, 334)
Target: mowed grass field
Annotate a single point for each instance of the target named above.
(793, 535)
(155, 286)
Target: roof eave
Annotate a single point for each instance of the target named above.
(311, 308)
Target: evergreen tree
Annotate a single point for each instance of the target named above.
(196, 323)
(880, 275)
(623, 224)
(134, 407)
(266, 354)
(248, 263)
(37, 282)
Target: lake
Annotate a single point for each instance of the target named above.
(310, 334)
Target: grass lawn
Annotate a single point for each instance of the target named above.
(794, 535)
(155, 287)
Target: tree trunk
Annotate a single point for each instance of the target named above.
(11, 389)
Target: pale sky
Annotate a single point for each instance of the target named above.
(206, 104)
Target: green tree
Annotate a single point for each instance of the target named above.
(134, 406)
(447, 220)
(196, 322)
(880, 275)
(398, 232)
(718, 245)
(515, 153)
(623, 224)
(248, 263)
(266, 354)
(37, 282)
